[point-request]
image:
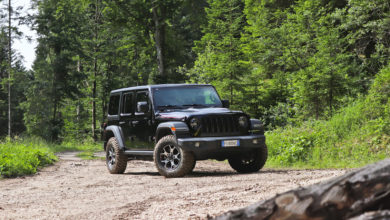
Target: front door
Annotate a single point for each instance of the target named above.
(142, 122)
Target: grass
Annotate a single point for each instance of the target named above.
(357, 135)
(24, 156)
(88, 155)
(87, 148)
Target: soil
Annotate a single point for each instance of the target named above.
(81, 189)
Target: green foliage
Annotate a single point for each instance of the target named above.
(294, 150)
(367, 24)
(19, 76)
(356, 135)
(87, 148)
(88, 48)
(219, 54)
(88, 145)
(23, 157)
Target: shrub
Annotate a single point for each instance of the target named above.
(22, 158)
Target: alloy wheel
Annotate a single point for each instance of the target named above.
(111, 158)
(170, 157)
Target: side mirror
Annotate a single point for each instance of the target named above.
(142, 107)
(225, 103)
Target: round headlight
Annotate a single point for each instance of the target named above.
(243, 122)
(194, 123)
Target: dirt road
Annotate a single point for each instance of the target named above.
(79, 189)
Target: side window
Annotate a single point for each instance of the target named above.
(142, 97)
(127, 105)
(114, 105)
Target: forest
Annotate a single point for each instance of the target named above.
(316, 72)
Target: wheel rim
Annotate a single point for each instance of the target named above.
(170, 157)
(111, 158)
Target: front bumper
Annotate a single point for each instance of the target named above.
(211, 147)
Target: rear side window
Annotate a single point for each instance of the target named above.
(114, 105)
(127, 103)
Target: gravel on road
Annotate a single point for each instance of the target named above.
(83, 189)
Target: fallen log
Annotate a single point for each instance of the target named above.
(360, 194)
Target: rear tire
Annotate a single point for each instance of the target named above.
(116, 160)
(250, 162)
(170, 159)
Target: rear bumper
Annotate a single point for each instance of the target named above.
(211, 147)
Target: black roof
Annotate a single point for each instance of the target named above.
(155, 86)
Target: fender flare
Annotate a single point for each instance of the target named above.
(164, 128)
(118, 134)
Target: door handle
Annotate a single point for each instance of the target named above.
(134, 122)
(122, 122)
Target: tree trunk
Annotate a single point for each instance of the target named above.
(9, 68)
(54, 133)
(358, 195)
(94, 101)
(95, 71)
(159, 39)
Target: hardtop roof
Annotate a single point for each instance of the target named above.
(154, 86)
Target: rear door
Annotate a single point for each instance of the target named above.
(126, 118)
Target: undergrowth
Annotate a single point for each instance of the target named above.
(358, 134)
(24, 156)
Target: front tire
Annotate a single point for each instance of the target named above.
(170, 159)
(116, 160)
(250, 162)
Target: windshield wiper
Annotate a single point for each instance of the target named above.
(195, 105)
(169, 106)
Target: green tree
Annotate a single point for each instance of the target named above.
(366, 26)
(55, 72)
(162, 32)
(296, 48)
(321, 81)
(219, 54)
(11, 71)
(263, 45)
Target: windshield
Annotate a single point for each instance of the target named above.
(189, 96)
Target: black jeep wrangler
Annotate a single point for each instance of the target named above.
(176, 125)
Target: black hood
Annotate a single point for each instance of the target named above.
(180, 114)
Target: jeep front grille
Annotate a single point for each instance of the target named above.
(220, 125)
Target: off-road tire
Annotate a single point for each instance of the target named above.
(251, 162)
(113, 151)
(193, 166)
(170, 159)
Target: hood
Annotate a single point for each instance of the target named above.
(180, 114)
